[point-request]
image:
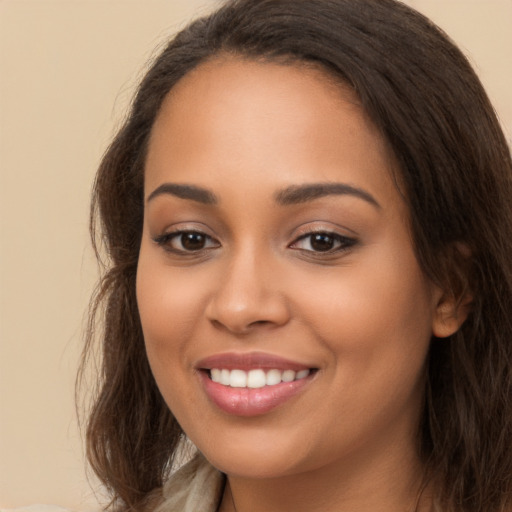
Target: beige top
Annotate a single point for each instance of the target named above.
(195, 487)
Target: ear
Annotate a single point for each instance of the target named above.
(450, 313)
(453, 301)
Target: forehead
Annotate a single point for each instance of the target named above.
(245, 117)
(226, 85)
(262, 76)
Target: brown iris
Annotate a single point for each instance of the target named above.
(192, 241)
(322, 242)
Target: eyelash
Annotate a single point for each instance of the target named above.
(342, 243)
(166, 240)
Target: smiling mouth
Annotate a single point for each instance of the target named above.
(256, 378)
(253, 391)
(253, 384)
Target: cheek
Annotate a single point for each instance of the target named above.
(376, 325)
(356, 300)
(168, 317)
(169, 300)
(374, 317)
(169, 305)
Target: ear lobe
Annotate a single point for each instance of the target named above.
(450, 314)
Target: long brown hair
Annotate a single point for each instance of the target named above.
(456, 173)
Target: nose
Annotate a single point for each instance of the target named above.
(248, 296)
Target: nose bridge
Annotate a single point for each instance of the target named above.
(247, 292)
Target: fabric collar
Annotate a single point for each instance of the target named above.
(195, 487)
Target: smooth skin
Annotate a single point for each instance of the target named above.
(234, 268)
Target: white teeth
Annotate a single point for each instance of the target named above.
(238, 379)
(225, 378)
(273, 377)
(302, 374)
(255, 378)
(288, 376)
(216, 374)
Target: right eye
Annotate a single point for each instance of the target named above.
(183, 241)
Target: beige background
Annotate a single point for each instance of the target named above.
(67, 69)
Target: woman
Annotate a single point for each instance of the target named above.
(308, 221)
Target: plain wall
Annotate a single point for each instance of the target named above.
(67, 71)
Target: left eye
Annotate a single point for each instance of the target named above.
(186, 241)
(323, 242)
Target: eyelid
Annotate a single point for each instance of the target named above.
(344, 242)
(324, 227)
(182, 227)
(169, 235)
(164, 239)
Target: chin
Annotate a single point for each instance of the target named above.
(252, 468)
(254, 459)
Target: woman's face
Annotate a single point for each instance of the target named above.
(285, 315)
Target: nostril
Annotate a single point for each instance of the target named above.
(259, 322)
(240, 327)
(243, 313)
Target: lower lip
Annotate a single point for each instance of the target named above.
(249, 401)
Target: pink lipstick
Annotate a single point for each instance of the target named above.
(252, 384)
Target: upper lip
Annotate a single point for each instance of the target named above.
(249, 361)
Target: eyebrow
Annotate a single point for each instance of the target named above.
(294, 194)
(192, 192)
(297, 194)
